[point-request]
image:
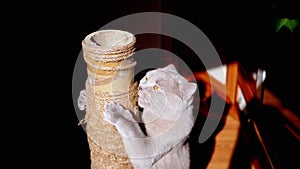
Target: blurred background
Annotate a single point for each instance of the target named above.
(257, 34)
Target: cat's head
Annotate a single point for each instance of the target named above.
(165, 88)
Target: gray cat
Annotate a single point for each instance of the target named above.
(166, 98)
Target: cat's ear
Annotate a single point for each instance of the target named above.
(188, 89)
(170, 68)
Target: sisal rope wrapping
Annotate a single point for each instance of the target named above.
(110, 67)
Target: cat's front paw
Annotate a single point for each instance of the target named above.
(122, 119)
(114, 112)
(111, 113)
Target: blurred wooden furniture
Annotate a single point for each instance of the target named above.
(238, 88)
(232, 84)
(269, 131)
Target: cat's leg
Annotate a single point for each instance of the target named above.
(123, 120)
(138, 147)
(177, 158)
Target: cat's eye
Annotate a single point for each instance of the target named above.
(146, 78)
(155, 87)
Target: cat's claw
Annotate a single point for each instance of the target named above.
(110, 114)
(110, 106)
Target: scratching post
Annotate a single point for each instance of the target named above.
(110, 70)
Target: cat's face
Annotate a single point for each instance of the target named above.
(164, 88)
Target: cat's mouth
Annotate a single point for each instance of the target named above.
(142, 100)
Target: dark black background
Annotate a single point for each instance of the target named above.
(53, 32)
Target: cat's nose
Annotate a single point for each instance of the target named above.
(140, 88)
